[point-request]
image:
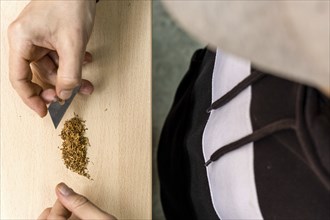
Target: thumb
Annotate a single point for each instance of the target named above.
(71, 55)
(79, 205)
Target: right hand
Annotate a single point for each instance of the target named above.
(48, 39)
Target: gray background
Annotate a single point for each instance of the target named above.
(171, 53)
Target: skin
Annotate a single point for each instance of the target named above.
(48, 41)
(70, 203)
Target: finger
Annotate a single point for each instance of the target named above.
(78, 204)
(70, 54)
(45, 69)
(86, 88)
(59, 212)
(44, 214)
(54, 56)
(49, 95)
(20, 76)
(87, 59)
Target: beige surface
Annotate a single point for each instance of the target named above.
(288, 38)
(118, 117)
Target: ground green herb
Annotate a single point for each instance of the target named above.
(74, 146)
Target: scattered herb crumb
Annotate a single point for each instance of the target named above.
(74, 146)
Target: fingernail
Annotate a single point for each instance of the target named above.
(86, 90)
(65, 94)
(55, 99)
(64, 189)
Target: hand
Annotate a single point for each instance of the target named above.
(48, 41)
(68, 202)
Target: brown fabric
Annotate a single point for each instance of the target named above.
(254, 77)
(256, 135)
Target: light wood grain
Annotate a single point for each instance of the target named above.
(118, 117)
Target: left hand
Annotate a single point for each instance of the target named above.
(71, 203)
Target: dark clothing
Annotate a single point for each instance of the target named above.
(291, 146)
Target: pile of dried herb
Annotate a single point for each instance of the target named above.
(74, 146)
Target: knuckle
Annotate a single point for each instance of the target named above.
(12, 28)
(69, 82)
(52, 71)
(18, 35)
(14, 83)
(78, 201)
(79, 34)
(16, 28)
(74, 38)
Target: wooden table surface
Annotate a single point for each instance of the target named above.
(118, 117)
